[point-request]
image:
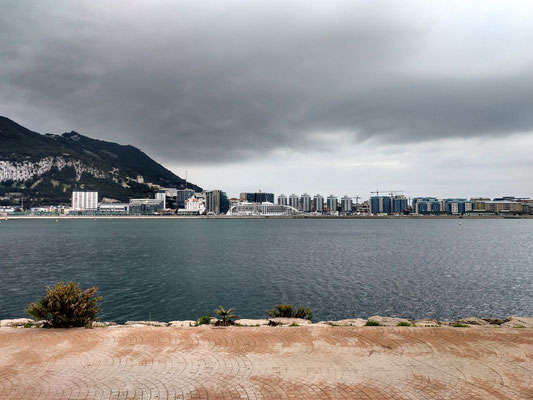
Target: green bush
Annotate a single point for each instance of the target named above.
(371, 322)
(404, 323)
(458, 325)
(66, 306)
(204, 320)
(287, 311)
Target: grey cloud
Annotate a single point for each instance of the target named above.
(221, 82)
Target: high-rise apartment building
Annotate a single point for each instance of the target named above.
(346, 204)
(257, 197)
(400, 204)
(83, 200)
(458, 206)
(318, 203)
(426, 205)
(332, 204)
(212, 201)
(294, 200)
(380, 205)
(305, 203)
(282, 200)
(388, 204)
(182, 195)
(162, 195)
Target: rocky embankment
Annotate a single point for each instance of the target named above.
(509, 322)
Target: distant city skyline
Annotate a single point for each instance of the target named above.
(341, 97)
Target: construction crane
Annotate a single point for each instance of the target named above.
(392, 192)
(383, 191)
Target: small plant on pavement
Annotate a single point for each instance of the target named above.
(459, 325)
(226, 315)
(403, 323)
(66, 306)
(288, 311)
(204, 320)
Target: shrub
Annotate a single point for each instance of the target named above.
(294, 324)
(65, 306)
(458, 325)
(287, 311)
(204, 320)
(226, 315)
(371, 322)
(403, 323)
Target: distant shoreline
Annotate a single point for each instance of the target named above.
(204, 217)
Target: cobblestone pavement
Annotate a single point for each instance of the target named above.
(315, 362)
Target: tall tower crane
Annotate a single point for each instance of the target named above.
(392, 192)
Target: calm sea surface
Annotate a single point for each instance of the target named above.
(182, 269)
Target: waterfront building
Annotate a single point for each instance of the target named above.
(511, 198)
(162, 195)
(318, 203)
(388, 204)
(114, 208)
(458, 206)
(4, 210)
(332, 204)
(182, 195)
(479, 202)
(212, 201)
(282, 200)
(84, 200)
(294, 200)
(262, 209)
(346, 204)
(145, 206)
(400, 204)
(305, 203)
(195, 204)
(426, 205)
(257, 197)
(500, 206)
(186, 212)
(363, 208)
(380, 205)
(47, 210)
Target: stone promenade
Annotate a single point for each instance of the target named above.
(314, 362)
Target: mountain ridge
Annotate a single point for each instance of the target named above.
(45, 168)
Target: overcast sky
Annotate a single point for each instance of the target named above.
(343, 97)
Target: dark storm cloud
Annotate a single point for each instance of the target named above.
(227, 81)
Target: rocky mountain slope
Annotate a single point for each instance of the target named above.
(43, 169)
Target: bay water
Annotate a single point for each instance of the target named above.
(182, 269)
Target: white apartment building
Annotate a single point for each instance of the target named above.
(84, 200)
(162, 195)
(293, 201)
(305, 203)
(346, 204)
(332, 204)
(318, 203)
(194, 204)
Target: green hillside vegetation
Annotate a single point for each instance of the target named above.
(18, 144)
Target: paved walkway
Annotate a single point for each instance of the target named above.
(266, 363)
